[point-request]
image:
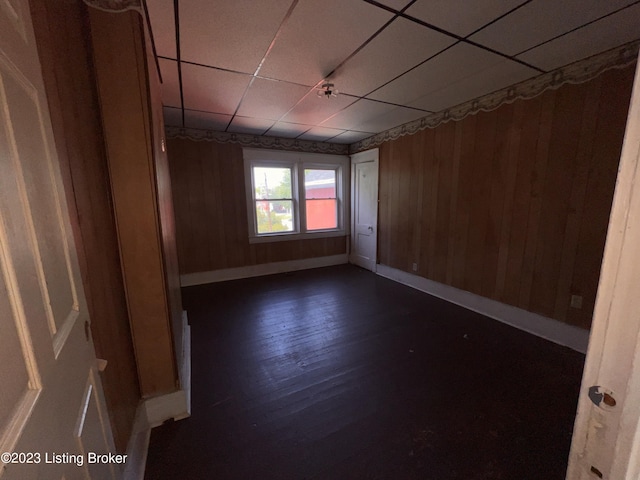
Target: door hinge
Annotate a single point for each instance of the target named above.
(87, 330)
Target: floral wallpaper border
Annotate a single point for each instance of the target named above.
(257, 141)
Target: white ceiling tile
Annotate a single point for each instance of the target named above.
(206, 120)
(287, 130)
(318, 36)
(163, 26)
(485, 80)
(456, 69)
(610, 32)
(459, 61)
(395, 117)
(399, 47)
(170, 87)
(255, 126)
(313, 110)
(212, 90)
(320, 134)
(233, 35)
(542, 20)
(270, 98)
(172, 116)
(396, 4)
(356, 113)
(351, 137)
(460, 16)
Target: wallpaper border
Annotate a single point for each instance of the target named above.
(579, 72)
(257, 141)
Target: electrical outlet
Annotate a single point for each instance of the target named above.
(415, 267)
(576, 301)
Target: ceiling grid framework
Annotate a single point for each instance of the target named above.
(248, 67)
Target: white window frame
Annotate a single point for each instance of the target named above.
(298, 162)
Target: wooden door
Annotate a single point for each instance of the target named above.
(364, 231)
(52, 413)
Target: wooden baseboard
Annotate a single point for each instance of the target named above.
(213, 276)
(553, 330)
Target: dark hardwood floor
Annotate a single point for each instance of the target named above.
(337, 373)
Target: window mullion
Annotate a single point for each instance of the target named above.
(302, 214)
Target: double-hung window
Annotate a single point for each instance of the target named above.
(295, 195)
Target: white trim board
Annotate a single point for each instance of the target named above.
(213, 276)
(553, 330)
(138, 446)
(176, 405)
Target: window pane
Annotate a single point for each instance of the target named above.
(272, 182)
(322, 214)
(274, 216)
(320, 184)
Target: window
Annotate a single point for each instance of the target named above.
(320, 199)
(295, 195)
(273, 198)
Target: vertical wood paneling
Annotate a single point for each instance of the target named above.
(538, 177)
(453, 210)
(577, 197)
(520, 218)
(443, 198)
(554, 198)
(513, 203)
(464, 201)
(498, 189)
(431, 145)
(483, 154)
(514, 136)
(603, 165)
(211, 217)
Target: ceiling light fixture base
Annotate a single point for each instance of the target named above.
(327, 90)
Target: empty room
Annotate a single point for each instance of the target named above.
(319, 239)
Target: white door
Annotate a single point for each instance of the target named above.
(364, 206)
(52, 411)
(606, 436)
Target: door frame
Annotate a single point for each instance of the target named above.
(606, 436)
(358, 158)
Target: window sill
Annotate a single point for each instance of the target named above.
(284, 237)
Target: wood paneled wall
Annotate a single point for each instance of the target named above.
(62, 35)
(122, 72)
(211, 213)
(511, 204)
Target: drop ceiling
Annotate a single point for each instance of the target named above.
(254, 66)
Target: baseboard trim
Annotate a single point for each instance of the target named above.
(176, 405)
(213, 276)
(138, 446)
(553, 330)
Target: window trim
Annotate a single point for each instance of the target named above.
(298, 162)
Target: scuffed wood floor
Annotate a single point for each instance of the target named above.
(337, 373)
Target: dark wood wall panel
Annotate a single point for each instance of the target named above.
(511, 204)
(62, 35)
(211, 213)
